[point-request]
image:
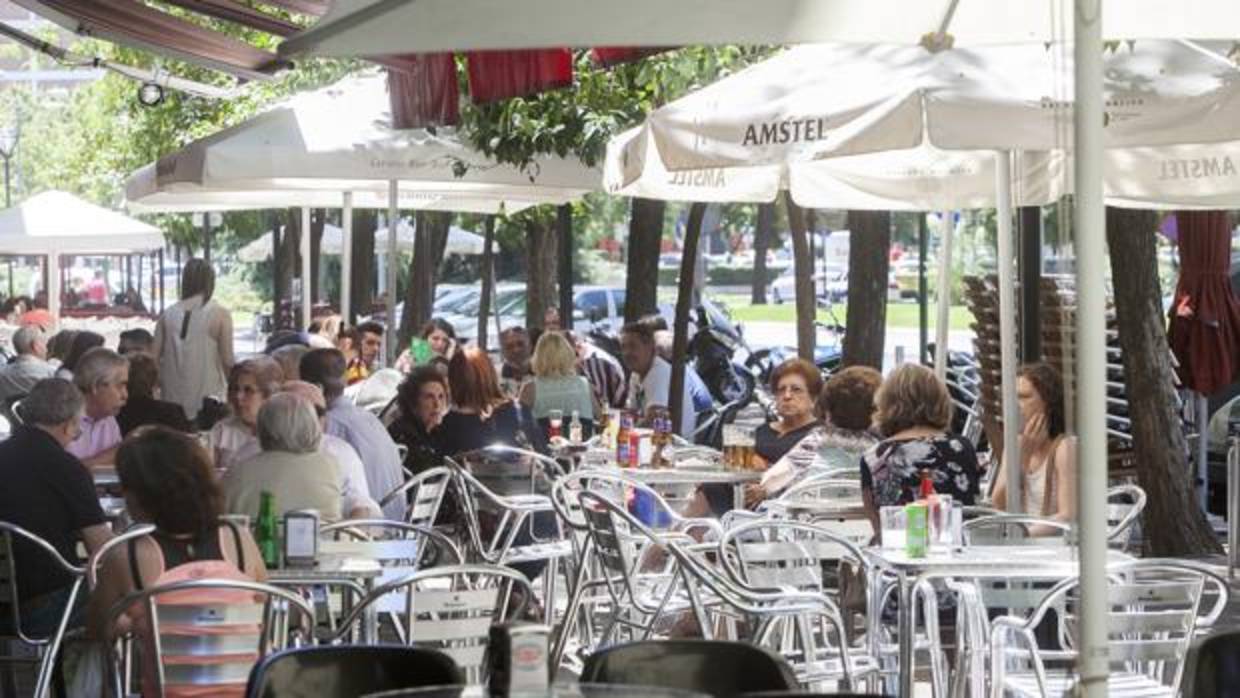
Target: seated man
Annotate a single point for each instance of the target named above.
(48, 492)
(363, 430)
(651, 380)
(605, 374)
(514, 343)
(103, 377)
(30, 366)
(290, 466)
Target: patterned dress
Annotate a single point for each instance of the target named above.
(892, 469)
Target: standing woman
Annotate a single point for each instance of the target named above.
(1048, 454)
(194, 342)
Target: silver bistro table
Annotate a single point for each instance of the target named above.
(355, 575)
(1042, 562)
(656, 477)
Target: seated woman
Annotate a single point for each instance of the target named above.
(168, 481)
(557, 385)
(796, 384)
(846, 406)
(422, 402)
(290, 466)
(80, 343)
(250, 384)
(440, 338)
(143, 407)
(480, 414)
(1048, 455)
(914, 412)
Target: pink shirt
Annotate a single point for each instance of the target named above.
(97, 436)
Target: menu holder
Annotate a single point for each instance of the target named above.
(301, 538)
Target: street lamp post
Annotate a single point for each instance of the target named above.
(9, 136)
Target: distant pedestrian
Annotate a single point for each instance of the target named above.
(194, 342)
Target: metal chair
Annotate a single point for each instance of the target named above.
(451, 609)
(1152, 614)
(721, 669)
(395, 544)
(1125, 504)
(1016, 529)
(424, 492)
(46, 649)
(350, 670)
(713, 597)
(207, 633)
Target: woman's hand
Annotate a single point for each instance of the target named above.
(755, 494)
(1034, 434)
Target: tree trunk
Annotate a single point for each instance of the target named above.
(540, 262)
(488, 281)
(361, 296)
(803, 265)
(763, 235)
(290, 265)
(318, 219)
(684, 301)
(429, 242)
(1173, 525)
(869, 261)
(642, 279)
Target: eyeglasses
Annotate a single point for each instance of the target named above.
(793, 389)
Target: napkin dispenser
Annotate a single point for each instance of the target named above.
(301, 538)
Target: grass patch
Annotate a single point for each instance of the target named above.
(902, 315)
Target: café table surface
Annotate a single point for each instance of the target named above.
(688, 476)
(1040, 562)
(559, 690)
(329, 568)
(850, 509)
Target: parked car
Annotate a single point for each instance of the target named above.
(784, 288)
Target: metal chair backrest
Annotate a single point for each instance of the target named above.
(13, 539)
(352, 670)
(705, 666)
(208, 633)
(425, 492)
(452, 608)
(1015, 529)
(397, 546)
(775, 554)
(613, 548)
(1125, 504)
(95, 563)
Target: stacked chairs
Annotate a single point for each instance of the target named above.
(45, 648)
(203, 636)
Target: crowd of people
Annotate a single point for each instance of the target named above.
(288, 426)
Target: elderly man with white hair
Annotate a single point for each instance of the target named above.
(30, 366)
(290, 466)
(356, 500)
(102, 376)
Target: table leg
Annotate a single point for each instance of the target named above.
(906, 629)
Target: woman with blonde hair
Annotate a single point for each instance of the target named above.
(914, 411)
(556, 384)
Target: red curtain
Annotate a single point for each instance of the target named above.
(423, 90)
(607, 57)
(497, 75)
(1205, 315)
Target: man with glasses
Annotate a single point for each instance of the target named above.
(48, 492)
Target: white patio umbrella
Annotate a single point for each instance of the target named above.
(55, 222)
(338, 142)
(378, 27)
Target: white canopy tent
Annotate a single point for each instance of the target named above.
(55, 223)
(335, 147)
(460, 241)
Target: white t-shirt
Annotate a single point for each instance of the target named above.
(653, 388)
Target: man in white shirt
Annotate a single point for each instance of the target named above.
(30, 366)
(651, 379)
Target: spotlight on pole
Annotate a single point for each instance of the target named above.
(150, 94)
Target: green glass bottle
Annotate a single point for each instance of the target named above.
(267, 533)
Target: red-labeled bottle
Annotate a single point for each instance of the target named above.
(635, 450)
(926, 490)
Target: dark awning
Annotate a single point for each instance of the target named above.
(138, 25)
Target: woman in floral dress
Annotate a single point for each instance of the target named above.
(914, 412)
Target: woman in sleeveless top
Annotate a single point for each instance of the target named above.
(250, 383)
(194, 342)
(1048, 455)
(556, 384)
(168, 481)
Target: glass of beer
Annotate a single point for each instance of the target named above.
(746, 454)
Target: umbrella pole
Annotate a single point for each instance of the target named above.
(1090, 225)
(923, 310)
(943, 318)
(389, 350)
(307, 270)
(1203, 446)
(53, 286)
(1007, 331)
(346, 258)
